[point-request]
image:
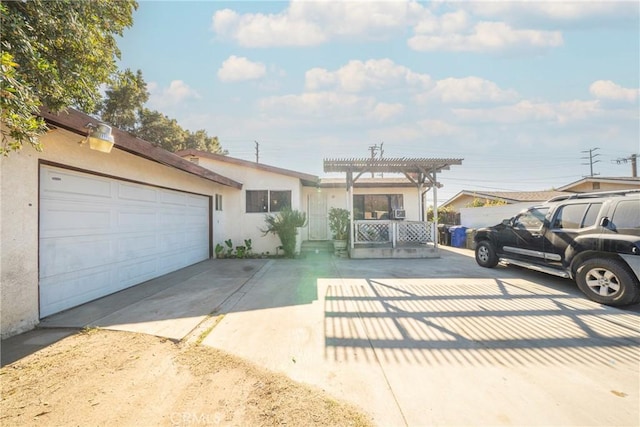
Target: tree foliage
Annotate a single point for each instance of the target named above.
(55, 53)
(124, 101)
(123, 107)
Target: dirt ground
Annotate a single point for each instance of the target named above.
(101, 377)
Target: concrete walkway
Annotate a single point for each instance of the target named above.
(411, 342)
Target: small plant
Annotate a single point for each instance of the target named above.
(219, 251)
(247, 244)
(285, 225)
(241, 252)
(229, 244)
(339, 223)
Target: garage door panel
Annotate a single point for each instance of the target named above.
(132, 220)
(72, 217)
(172, 198)
(64, 255)
(68, 184)
(92, 245)
(132, 246)
(69, 290)
(137, 193)
(132, 273)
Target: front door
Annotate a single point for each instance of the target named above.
(318, 221)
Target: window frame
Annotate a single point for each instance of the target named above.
(271, 201)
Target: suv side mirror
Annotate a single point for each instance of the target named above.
(507, 221)
(604, 221)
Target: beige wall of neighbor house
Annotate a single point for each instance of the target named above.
(19, 211)
(588, 186)
(240, 224)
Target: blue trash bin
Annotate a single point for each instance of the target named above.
(458, 236)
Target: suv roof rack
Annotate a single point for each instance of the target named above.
(594, 194)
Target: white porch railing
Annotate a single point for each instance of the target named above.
(394, 232)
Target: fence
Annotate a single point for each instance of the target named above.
(394, 232)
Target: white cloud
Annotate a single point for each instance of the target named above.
(553, 11)
(606, 89)
(236, 69)
(486, 37)
(528, 111)
(468, 90)
(339, 107)
(357, 76)
(310, 23)
(177, 92)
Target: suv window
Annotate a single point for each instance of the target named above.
(533, 219)
(576, 216)
(626, 215)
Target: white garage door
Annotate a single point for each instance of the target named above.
(100, 235)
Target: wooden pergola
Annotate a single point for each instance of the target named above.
(422, 172)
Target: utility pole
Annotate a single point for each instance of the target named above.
(257, 152)
(634, 163)
(374, 150)
(591, 158)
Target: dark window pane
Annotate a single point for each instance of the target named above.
(280, 200)
(376, 206)
(570, 216)
(626, 215)
(591, 218)
(257, 201)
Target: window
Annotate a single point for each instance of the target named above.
(577, 216)
(218, 202)
(531, 219)
(626, 215)
(376, 206)
(268, 201)
(279, 200)
(591, 218)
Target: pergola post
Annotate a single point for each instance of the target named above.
(435, 213)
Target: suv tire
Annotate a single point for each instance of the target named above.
(486, 255)
(607, 281)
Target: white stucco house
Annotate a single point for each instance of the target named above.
(78, 224)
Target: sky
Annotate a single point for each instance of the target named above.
(521, 91)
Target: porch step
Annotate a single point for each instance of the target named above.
(313, 247)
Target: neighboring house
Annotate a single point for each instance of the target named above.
(465, 198)
(78, 224)
(514, 202)
(596, 183)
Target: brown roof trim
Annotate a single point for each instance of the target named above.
(75, 121)
(307, 179)
(630, 180)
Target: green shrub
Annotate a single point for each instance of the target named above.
(285, 225)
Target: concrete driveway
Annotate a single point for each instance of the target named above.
(441, 341)
(412, 342)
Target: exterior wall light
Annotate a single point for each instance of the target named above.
(99, 137)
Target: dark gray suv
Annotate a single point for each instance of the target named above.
(592, 238)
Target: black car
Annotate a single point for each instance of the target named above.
(592, 238)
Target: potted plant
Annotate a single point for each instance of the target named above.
(339, 224)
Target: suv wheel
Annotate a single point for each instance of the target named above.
(486, 255)
(608, 282)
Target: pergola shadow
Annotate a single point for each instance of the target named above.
(472, 322)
